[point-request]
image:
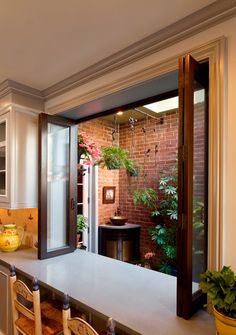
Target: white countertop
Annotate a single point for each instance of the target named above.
(138, 298)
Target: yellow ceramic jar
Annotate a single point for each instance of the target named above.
(9, 238)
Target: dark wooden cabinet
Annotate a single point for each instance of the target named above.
(119, 242)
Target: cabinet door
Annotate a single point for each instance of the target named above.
(18, 159)
(5, 309)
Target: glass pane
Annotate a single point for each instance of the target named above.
(3, 131)
(57, 186)
(199, 185)
(3, 158)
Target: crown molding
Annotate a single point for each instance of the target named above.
(10, 86)
(16, 93)
(207, 50)
(204, 18)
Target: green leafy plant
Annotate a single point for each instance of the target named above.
(169, 203)
(146, 197)
(164, 233)
(133, 168)
(81, 224)
(220, 286)
(115, 158)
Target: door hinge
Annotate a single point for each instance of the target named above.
(88, 200)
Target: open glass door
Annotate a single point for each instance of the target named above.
(57, 186)
(192, 184)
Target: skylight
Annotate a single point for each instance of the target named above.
(163, 105)
(173, 103)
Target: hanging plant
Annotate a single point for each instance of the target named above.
(133, 168)
(115, 158)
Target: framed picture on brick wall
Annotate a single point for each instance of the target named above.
(108, 195)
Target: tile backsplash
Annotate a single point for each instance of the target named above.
(26, 218)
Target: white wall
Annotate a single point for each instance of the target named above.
(227, 29)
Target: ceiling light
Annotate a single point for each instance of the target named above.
(119, 113)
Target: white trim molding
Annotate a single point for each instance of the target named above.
(202, 19)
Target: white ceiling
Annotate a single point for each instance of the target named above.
(45, 41)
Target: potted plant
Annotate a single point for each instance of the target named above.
(81, 225)
(115, 157)
(220, 287)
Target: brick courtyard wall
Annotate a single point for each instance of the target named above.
(161, 143)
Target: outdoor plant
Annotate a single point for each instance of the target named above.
(146, 197)
(164, 233)
(133, 168)
(88, 150)
(81, 224)
(220, 286)
(148, 259)
(115, 157)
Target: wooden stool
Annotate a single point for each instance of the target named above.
(79, 326)
(75, 325)
(26, 310)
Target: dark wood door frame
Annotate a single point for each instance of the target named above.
(44, 119)
(189, 71)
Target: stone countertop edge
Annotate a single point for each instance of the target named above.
(24, 256)
(141, 301)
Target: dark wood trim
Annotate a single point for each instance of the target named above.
(189, 72)
(44, 119)
(181, 153)
(155, 98)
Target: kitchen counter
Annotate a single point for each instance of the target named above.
(141, 301)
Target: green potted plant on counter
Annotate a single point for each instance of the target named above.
(220, 287)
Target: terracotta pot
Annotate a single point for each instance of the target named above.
(224, 324)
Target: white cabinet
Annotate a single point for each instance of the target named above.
(5, 306)
(18, 158)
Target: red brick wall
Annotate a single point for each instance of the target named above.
(161, 140)
(162, 144)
